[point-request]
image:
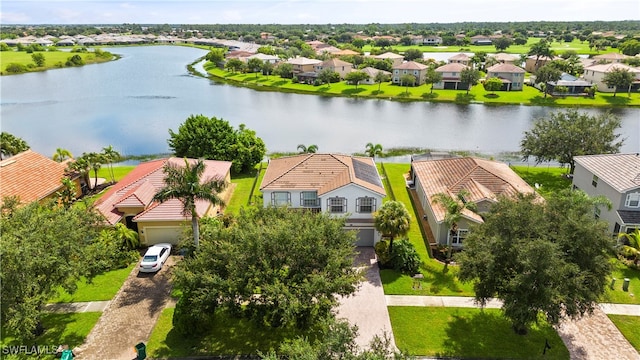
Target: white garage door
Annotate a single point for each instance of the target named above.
(156, 235)
(365, 237)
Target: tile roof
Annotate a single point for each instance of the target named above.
(505, 68)
(612, 66)
(410, 65)
(321, 172)
(460, 56)
(620, 171)
(611, 56)
(345, 52)
(333, 63)
(30, 176)
(372, 72)
(389, 55)
(483, 179)
(453, 67)
(303, 61)
(140, 185)
(504, 57)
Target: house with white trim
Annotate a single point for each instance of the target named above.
(340, 185)
(616, 177)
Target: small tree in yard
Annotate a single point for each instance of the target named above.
(38, 59)
(355, 77)
(454, 208)
(469, 76)
(545, 74)
(234, 65)
(254, 65)
(432, 77)
(326, 76)
(493, 84)
(393, 220)
(539, 257)
(380, 78)
(563, 135)
(407, 80)
(267, 68)
(629, 245)
(619, 79)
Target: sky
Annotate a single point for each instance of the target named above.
(310, 11)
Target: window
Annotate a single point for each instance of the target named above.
(633, 200)
(404, 72)
(309, 199)
(337, 205)
(365, 205)
(594, 181)
(280, 198)
(459, 236)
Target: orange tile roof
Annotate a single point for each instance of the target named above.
(30, 176)
(452, 67)
(482, 179)
(411, 65)
(505, 68)
(321, 172)
(141, 184)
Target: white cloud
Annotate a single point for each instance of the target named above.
(14, 18)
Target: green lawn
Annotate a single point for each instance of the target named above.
(103, 287)
(53, 59)
(629, 326)
(549, 178)
(119, 172)
(243, 191)
(473, 333)
(68, 328)
(616, 295)
(229, 336)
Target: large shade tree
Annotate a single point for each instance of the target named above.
(215, 139)
(565, 134)
(546, 74)
(275, 266)
(539, 257)
(185, 183)
(469, 76)
(619, 79)
(392, 220)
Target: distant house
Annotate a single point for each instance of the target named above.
(595, 74)
(130, 201)
(337, 65)
(531, 66)
(506, 58)
(461, 58)
(416, 69)
(484, 181)
(432, 40)
(512, 76)
(265, 58)
(340, 185)
(303, 64)
(617, 177)
(481, 40)
(574, 85)
(611, 58)
(345, 52)
(451, 77)
(308, 77)
(30, 177)
(396, 59)
(372, 72)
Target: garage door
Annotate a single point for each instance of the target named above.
(156, 235)
(365, 237)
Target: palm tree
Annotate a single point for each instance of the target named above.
(373, 150)
(392, 220)
(128, 237)
(82, 166)
(454, 207)
(61, 155)
(111, 156)
(185, 184)
(633, 248)
(311, 149)
(540, 49)
(95, 162)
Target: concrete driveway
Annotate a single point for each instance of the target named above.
(367, 308)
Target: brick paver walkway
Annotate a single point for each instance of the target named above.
(595, 337)
(130, 317)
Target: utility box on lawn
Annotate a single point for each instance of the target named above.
(141, 351)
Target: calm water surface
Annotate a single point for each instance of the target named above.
(132, 102)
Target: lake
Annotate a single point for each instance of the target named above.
(131, 104)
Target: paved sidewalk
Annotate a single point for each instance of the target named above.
(79, 307)
(468, 302)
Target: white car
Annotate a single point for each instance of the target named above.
(155, 257)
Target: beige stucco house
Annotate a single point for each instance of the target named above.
(451, 77)
(131, 202)
(512, 76)
(340, 185)
(337, 65)
(484, 181)
(396, 59)
(460, 58)
(303, 64)
(416, 69)
(595, 74)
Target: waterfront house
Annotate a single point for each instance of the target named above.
(396, 59)
(337, 65)
(595, 74)
(461, 58)
(451, 77)
(512, 76)
(416, 69)
(303, 64)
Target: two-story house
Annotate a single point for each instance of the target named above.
(460, 58)
(595, 74)
(303, 64)
(617, 177)
(337, 65)
(409, 68)
(512, 76)
(451, 77)
(341, 185)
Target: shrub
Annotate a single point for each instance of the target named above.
(382, 251)
(75, 60)
(15, 68)
(403, 258)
